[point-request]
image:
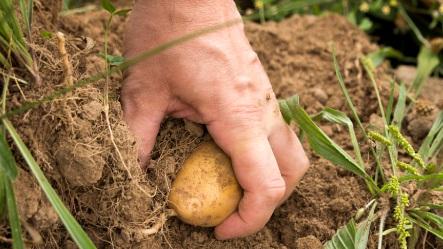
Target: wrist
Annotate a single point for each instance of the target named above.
(161, 19)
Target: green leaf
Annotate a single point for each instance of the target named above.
(285, 111)
(26, 7)
(431, 177)
(377, 57)
(427, 61)
(113, 60)
(365, 24)
(46, 34)
(2, 193)
(433, 142)
(320, 142)
(399, 112)
(80, 237)
(14, 220)
(390, 102)
(428, 221)
(345, 92)
(122, 12)
(338, 117)
(7, 162)
(354, 113)
(352, 236)
(433, 205)
(108, 6)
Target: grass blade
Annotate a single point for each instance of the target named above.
(351, 106)
(425, 221)
(400, 107)
(433, 142)
(420, 178)
(369, 71)
(412, 25)
(390, 102)
(14, 220)
(7, 162)
(2, 193)
(26, 10)
(377, 57)
(320, 142)
(427, 61)
(338, 117)
(345, 92)
(74, 229)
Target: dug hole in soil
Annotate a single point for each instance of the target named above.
(99, 179)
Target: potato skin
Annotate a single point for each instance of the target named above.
(205, 191)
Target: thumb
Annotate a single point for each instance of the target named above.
(143, 116)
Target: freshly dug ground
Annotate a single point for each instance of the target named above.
(97, 174)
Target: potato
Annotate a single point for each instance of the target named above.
(205, 191)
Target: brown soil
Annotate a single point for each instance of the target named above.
(99, 178)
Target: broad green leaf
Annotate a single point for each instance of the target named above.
(14, 220)
(108, 6)
(428, 221)
(400, 107)
(320, 142)
(433, 142)
(352, 236)
(7, 162)
(339, 117)
(80, 237)
(427, 61)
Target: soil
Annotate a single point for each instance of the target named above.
(97, 174)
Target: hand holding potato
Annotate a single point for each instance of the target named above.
(216, 80)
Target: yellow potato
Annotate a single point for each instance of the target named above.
(205, 191)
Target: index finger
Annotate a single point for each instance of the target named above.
(257, 172)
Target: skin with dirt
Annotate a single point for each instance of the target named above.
(98, 176)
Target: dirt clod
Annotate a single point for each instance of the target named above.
(308, 242)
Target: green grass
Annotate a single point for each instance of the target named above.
(411, 213)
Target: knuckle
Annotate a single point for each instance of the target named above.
(304, 163)
(274, 190)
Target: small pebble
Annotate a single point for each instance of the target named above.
(320, 95)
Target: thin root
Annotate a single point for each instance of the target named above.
(160, 223)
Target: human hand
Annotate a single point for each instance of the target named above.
(216, 80)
